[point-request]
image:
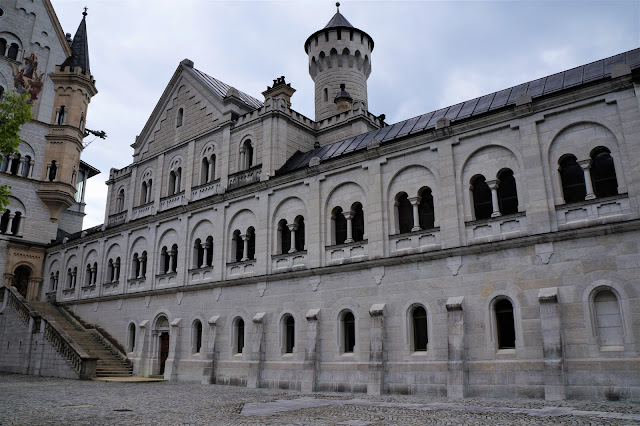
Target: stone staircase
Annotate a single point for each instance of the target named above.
(111, 362)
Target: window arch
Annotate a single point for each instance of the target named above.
(288, 333)
(179, 117)
(404, 212)
(131, 337)
(505, 323)
(204, 171)
(246, 155)
(482, 204)
(419, 328)
(175, 181)
(339, 223)
(507, 192)
(143, 193)
(237, 246)
(251, 243)
(348, 326)
(300, 243)
(15, 163)
(608, 319)
(357, 223)
(12, 223)
(165, 263)
(135, 266)
(198, 254)
(238, 335)
(173, 255)
(572, 179)
(12, 53)
(426, 211)
(284, 237)
(196, 336)
(603, 173)
(120, 201)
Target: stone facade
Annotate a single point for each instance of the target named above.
(462, 258)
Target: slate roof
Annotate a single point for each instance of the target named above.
(61, 235)
(572, 78)
(221, 89)
(79, 48)
(338, 21)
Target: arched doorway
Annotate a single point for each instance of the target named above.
(20, 280)
(162, 331)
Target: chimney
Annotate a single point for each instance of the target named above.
(280, 89)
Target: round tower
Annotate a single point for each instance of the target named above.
(338, 54)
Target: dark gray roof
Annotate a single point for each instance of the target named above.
(537, 88)
(61, 235)
(221, 89)
(338, 21)
(79, 48)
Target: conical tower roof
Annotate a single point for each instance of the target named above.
(79, 47)
(338, 21)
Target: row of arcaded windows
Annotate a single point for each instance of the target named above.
(12, 223)
(588, 179)
(9, 50)
(493, 198)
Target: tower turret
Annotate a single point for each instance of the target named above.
(338, 54)
(74, 87)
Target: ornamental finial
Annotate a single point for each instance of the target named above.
(338, 6)
(85, 11)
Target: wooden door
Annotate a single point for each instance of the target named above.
(164, 350)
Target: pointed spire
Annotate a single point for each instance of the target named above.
(79, 47)
(338, 20)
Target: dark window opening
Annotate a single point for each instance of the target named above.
(240, 336)
(420, 339)
(426, 210)
(300, 242)
(572, 177)
(505, 324)
(405, 213)
(482, 204)
(507, 193)
(290, 334)
(349, 330)
(603, 174)
(239, 245)
(357, 222)
(285, 237)
(340, 225)
(198, 337)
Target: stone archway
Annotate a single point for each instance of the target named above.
(21, 278)
(161, 333)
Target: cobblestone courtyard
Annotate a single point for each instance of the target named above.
(30, 400)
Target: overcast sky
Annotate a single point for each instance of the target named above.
(428, 54)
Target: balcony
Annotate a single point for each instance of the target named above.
(415, 242)
(199, 275)
(241, 269)
(245, 177)
(347, 253)
(497, 228)
(117, 219)
(206, 190)
(593, 212)
(172, 201)
(142, 211)
(289, 261)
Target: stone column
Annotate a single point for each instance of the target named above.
(176, 183)
(493, 186)
(148, 195)
(349, 216)
(210, 171)
(20, 226)
(256, 357)
(458, 370)
(205, 249)
(94, 275)
(46, 176)
(9, 164)
(21, 166)
(293, 227)
(242, 165)
(245, 247)
(10, 223)
(172, 254)
(415, 202)
(116, 275)
(309, 372)
(550, 323)
(586, 167)
(141, 367)
(375, 386)
(31, 164)
(209, 372)
(73, 279)
(143, 263)
(171, 366)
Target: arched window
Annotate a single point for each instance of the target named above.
(404, 210)
(110, 271)
(172, 183)
(419, 325)
(174, 256)
(197, 336)
(603, 173)
(290, 328)
(53, 171)
(4, 221)
(69, 278)
(52, 282)
(87, 275)
(16, 225)
(94, 271)
(131, 342)
(15, 164)
(239, 337)
(212, 167)
(357, 223)
(3, 46)
(198, 254)
(74, 275)
(426, 211)
(143, 193)
(608, 319)
(251, 243)
(135, 266)
(204, 171)
(505, 324)
(26, 166)
(284, 236)
(339, 226)
(348, 332)
(482, 204)
(117, 267)
(300, 234)
(237, 246)
(120, 201)
(164, 260)
(326, 94)
(143, 267)
(13, 51)
(247, 155)
(507, 193)
(572, 178)
(209, 251)
(180, 117)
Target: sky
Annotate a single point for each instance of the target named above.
(427, 55)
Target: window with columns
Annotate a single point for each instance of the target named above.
(72, 277)
(339, 225)
(175, 177)
(202, 253)
(603, 173)
(53, 281)
(243, 246)
(145, 191)
(169, 260)
(17, 165)
(404, 213)
(12, 223)
(482, 205)
(572, 178)
(139, 265)
(246, 155)
(12, 52)
(208, 169)
(494, 198)
(120, 206)
(290, 236)
(113, 270)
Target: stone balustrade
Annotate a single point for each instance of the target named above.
(117, 219)
(289, 261)
(206, 190)
(593, 212)
(245, 177)
(172, 201)
(497, 228)
(200, 275)
(241, 269)
(347, 253)
(415, 242)
(142, 211)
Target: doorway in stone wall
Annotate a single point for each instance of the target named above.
(164, 350)
(20, 280)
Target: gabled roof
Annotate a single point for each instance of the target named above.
(79, 48)
(221, 89)
(572, 78)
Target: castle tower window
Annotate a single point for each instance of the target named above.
(507, 193)
(246, 155)
(53, 171)
(404, 212)
(290, 329)
(505, 324)
(197, 336)
(239, 336)
(62, 113)
(284, 236)
(572, 178)
(482, 203)
(299, 234)
(426, 211)
(131, 341)
(348, 332)
(419, 323)
(603, 173)
(608, 319)
(180, 117)
(13, 51)
(164, 260)
(357, 222)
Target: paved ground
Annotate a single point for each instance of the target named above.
(27, 400)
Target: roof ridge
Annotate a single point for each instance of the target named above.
(221, 88)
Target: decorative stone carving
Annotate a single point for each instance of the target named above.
(454, 263)
(544, 252)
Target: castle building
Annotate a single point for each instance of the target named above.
(487, 248)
